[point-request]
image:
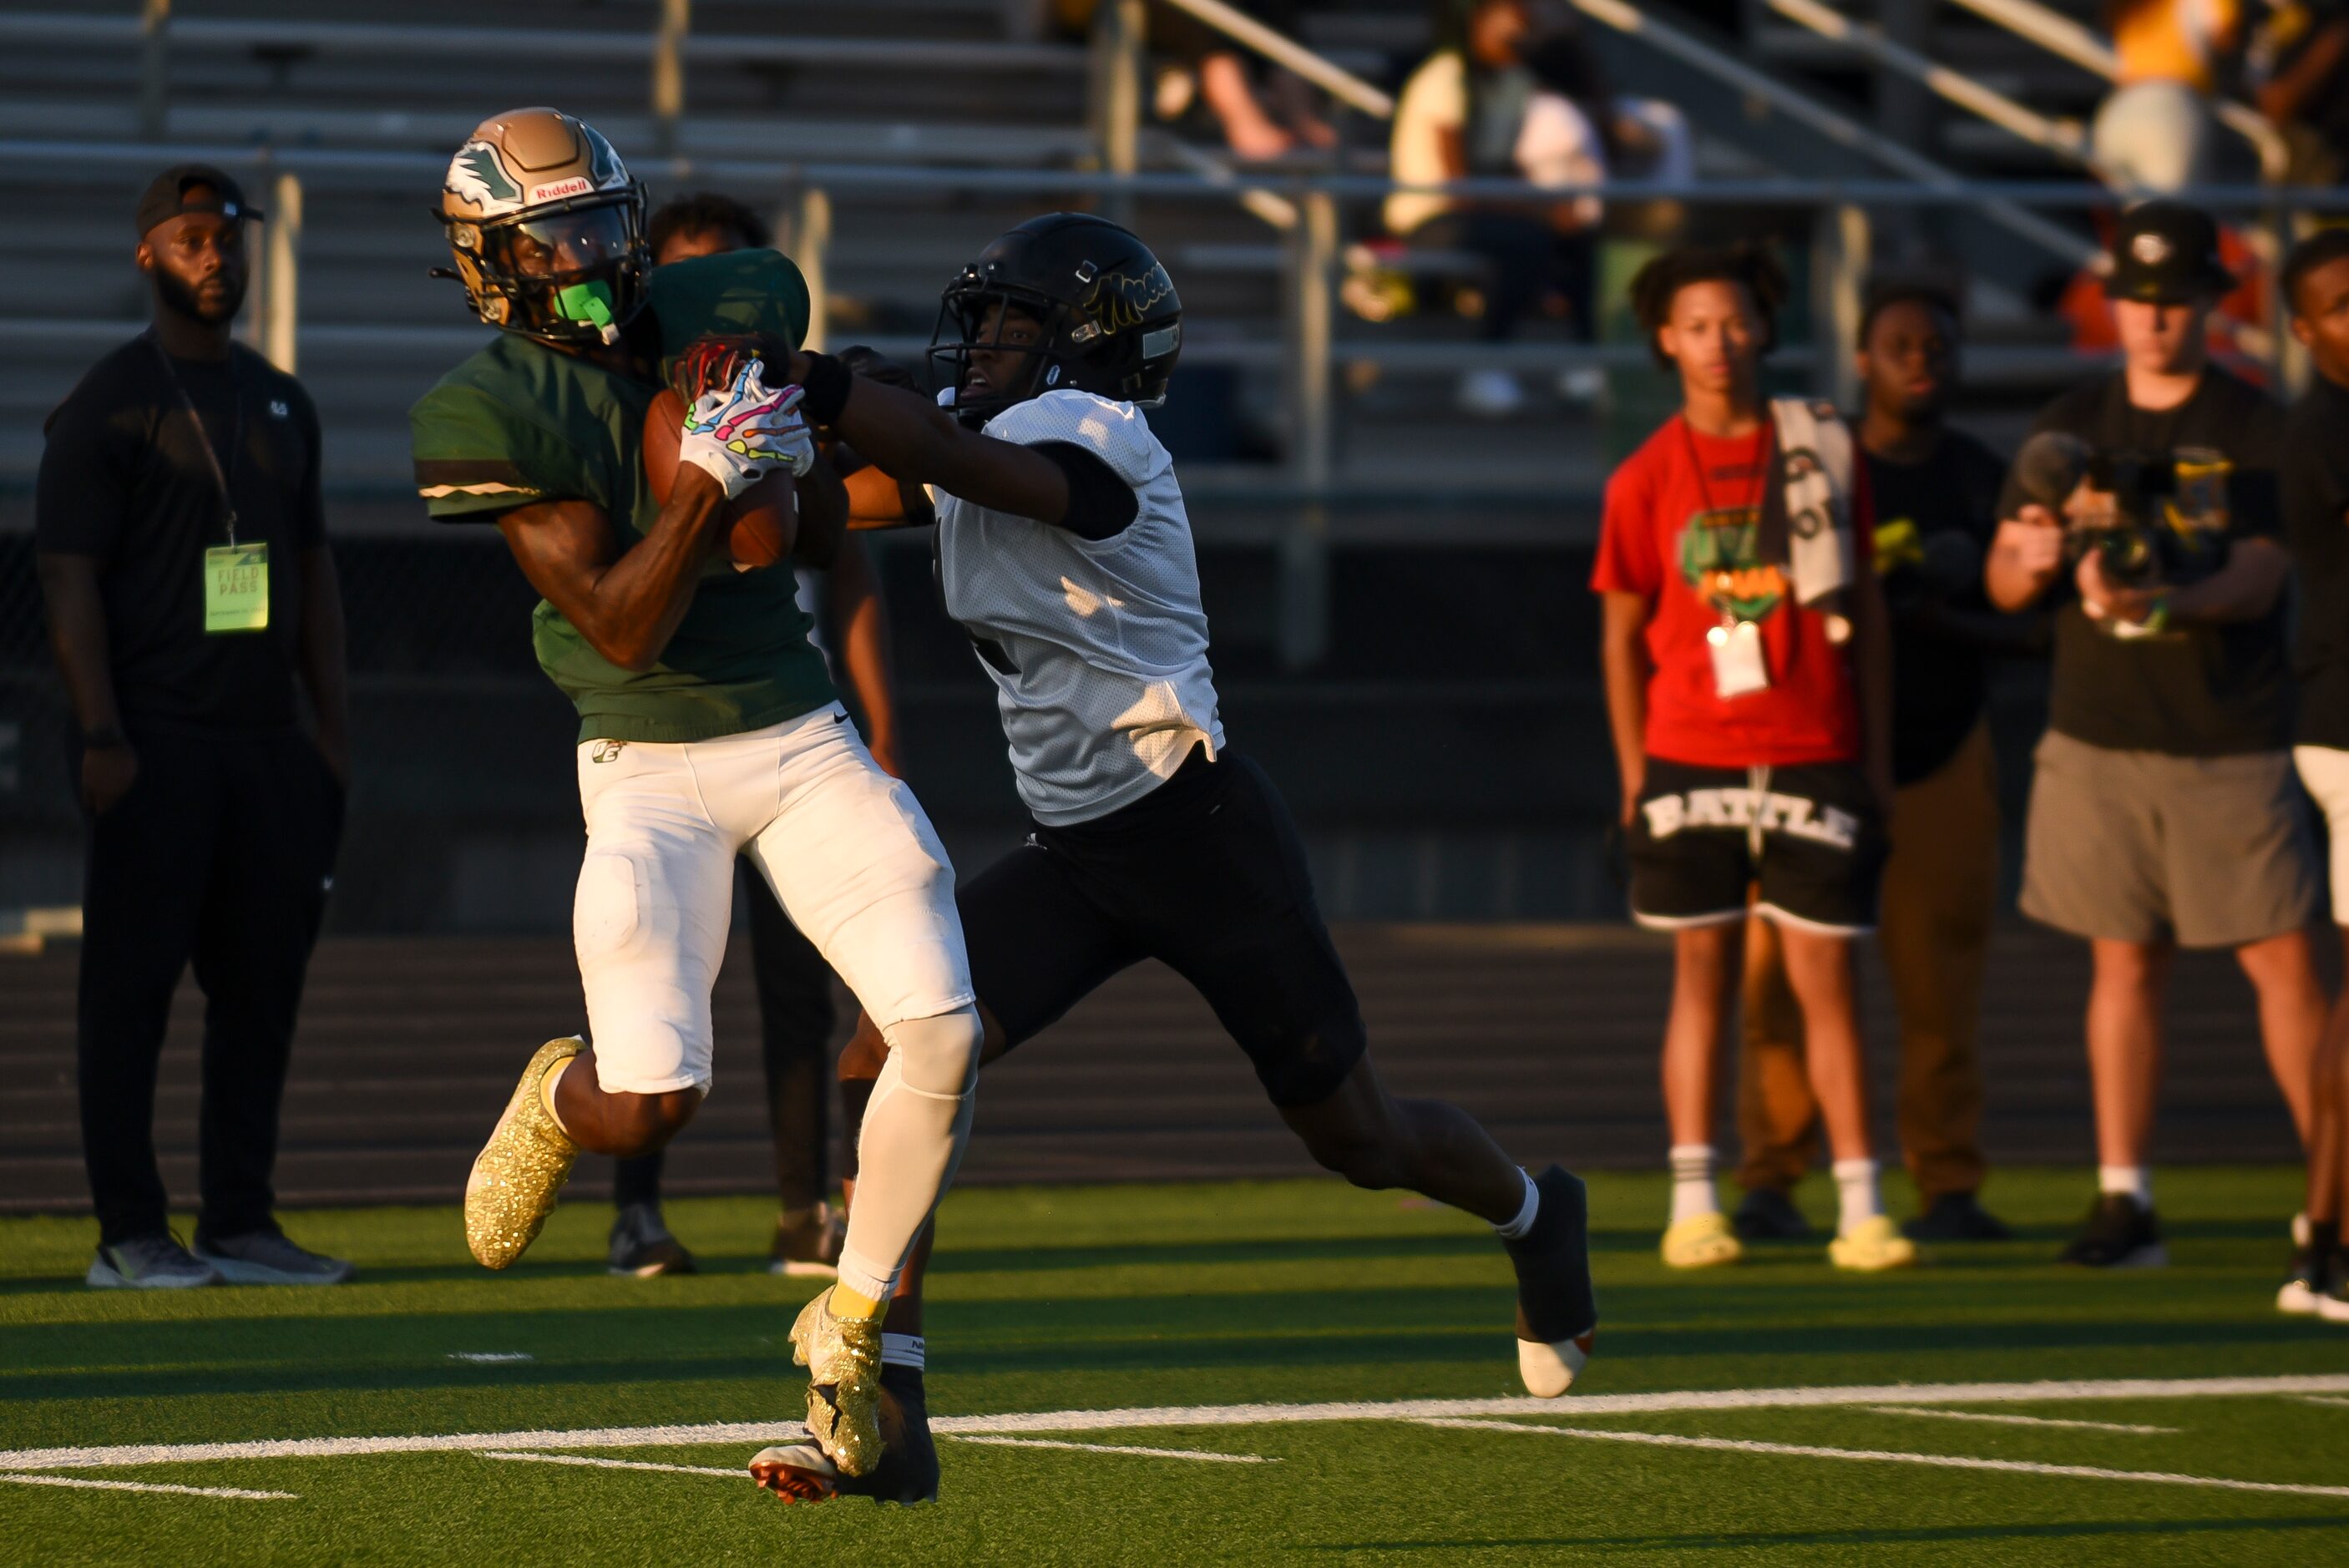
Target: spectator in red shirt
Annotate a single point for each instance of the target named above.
(1751, 723)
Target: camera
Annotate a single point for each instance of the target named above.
(2166, 521)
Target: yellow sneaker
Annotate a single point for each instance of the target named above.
(1701, 1242)
(1872, 1246)
(520, 1169)
(842, 1355)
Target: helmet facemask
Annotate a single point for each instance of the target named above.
(965, 329)
(571, 274)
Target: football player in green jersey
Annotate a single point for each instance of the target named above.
(707, 725)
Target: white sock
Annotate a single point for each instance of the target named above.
(1516, 1230)
(915, 1129)
(905, 1350)
(1856, 1198)
(1693, 1193)
(2136, 1181)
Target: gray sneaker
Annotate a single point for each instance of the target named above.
(148, 1263)
(642, 1246)
(267, 1258)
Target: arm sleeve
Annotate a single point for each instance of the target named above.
(477, 458)
(1101, 505)
(1627, 561)
(1108, 449)
(84, 488)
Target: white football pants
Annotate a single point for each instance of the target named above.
(858, 868)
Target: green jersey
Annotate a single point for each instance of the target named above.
(520, 423)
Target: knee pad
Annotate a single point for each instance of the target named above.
(936, 1056)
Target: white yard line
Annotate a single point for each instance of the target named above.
(740, 1472)
(1060, 1421)
(2322, 1400)
(152, 1485)
(2021, 1421)
(1114, 1449)
(489, 1357)
(1889, 1456)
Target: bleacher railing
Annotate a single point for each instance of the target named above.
(1308, 349)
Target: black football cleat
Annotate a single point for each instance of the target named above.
(1558, 1310)
(907, 1471)
(2120, 1233)
(1957, 1217)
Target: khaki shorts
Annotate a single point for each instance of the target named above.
(2141, 846)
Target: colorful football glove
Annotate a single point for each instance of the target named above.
(741, 433)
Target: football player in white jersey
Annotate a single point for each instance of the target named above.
(1064, 551)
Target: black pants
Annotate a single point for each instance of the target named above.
(220, 856)
(795, 1023)
(1206, 873)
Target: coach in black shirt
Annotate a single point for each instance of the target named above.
(183, 562)
(2315, 287)
(2163, 810)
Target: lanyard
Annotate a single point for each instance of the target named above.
(1696, 464)
(204, 436)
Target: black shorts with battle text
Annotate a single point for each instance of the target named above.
(1206, 873)
(1808, 841)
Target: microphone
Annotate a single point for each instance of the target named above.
(2050, 467)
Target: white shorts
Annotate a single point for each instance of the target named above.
(2325, 771)
(851, 857)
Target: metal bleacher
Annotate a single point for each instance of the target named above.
(373, 95)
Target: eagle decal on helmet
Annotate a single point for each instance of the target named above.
(476, 175)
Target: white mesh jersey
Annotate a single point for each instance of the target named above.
(1098, 649)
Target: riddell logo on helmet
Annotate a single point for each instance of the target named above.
(555, 191)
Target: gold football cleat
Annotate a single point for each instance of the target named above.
(842, 1355)
(520, 1169)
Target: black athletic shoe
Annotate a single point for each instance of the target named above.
(1557, 1311)
(908, 1470)
(1957, 1217)
(807, 1242)
(1769, 1215)
(642, 1246)
(2120, 1233)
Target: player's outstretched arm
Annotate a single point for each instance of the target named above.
(824, 512)
(907, 436)
(626, 602)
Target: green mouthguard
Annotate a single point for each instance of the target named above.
(589, 304)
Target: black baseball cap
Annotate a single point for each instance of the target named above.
(2166, 252)
(166, 195)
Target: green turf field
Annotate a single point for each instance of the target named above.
(1135, 1298)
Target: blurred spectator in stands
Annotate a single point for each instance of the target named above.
(1936, 493)
(2164, 812)
(1475, 108)
(2299, 69)
(795, 985)
(2154, 132)
(1262, 111)
(183, 555)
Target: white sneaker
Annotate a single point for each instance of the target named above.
(1489, 394)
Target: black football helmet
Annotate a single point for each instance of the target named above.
(1111, 323)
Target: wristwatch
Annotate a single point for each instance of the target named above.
(104, 739)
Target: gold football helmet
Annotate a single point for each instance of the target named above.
(546, 227)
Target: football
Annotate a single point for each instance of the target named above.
(762, 521)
